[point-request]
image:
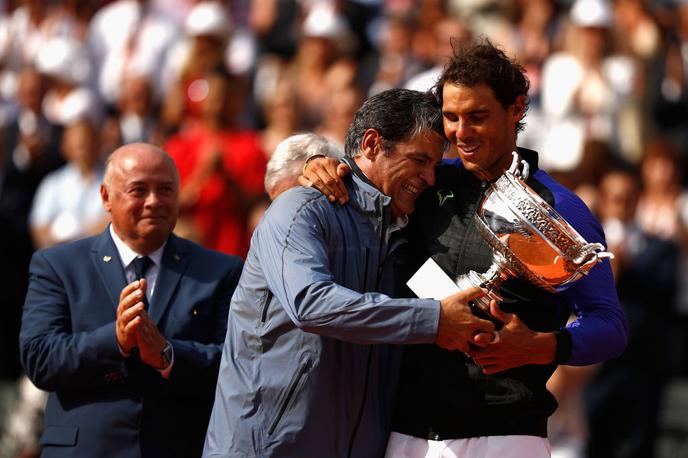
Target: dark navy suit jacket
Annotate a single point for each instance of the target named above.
(100, 404)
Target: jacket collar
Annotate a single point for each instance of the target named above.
(175, 260)
(363, 194)
(530, 156)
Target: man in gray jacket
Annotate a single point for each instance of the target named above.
(306, 369)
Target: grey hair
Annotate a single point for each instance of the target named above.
(291, 153)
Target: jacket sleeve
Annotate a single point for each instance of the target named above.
(600, 331)
(53, 356)
(294, 255)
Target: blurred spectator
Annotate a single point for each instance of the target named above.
(585, 90)
(221, 169)
(341, 102)
(280, 113)
(67, 205)
(623, 399)
(324, 33)
(447, 32)
(23, 33)
(31, 138)
(533, 35)
(663, 204)
(275, 23)
(396, 64)
(638, 30)
(668, 96)
(71, 18)
(210, 42)
(134, 118)
(65, 64)
(128, 36)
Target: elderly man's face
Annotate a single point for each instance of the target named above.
(142, 197)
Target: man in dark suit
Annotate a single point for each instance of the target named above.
(130, 354)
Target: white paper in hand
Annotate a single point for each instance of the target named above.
(430, 281)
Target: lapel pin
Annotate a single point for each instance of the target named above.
(107, 258)
(176, 257)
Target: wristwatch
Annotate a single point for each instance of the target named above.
(166, 355)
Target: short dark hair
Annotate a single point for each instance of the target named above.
(397, 115)
(480, 62)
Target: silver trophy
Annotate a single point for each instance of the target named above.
(529, 240)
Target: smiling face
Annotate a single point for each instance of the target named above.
(483, 130)
(141, 193)
(404, 172)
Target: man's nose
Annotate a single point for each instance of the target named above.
(152, 199)
(428, 175)
(462, 129)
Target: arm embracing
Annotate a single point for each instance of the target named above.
(296, 261)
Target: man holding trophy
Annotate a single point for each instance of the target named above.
(493, 401)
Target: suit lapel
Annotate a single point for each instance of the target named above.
(109, 266)
(175, 260)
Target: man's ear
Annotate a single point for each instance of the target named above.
(371, 144)
(518, 108)
(105, 197)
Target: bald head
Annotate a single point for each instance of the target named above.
(141, 191)
(127, 155)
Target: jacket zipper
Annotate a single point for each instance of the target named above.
(266, 303)
(290, 393)
(354, 432)
(359, 417)
(365, 268)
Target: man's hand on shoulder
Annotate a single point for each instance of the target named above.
(458, 326)
(128, 315)
(325, 174)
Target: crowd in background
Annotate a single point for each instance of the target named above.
(218, 84)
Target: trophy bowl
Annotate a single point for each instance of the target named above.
(529, 239)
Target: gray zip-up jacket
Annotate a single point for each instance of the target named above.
(305, 370)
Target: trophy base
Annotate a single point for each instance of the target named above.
(481, 305)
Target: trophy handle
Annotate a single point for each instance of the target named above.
(590, 254)
(519, 167)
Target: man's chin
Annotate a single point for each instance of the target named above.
(156, 231)
(401, 211)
